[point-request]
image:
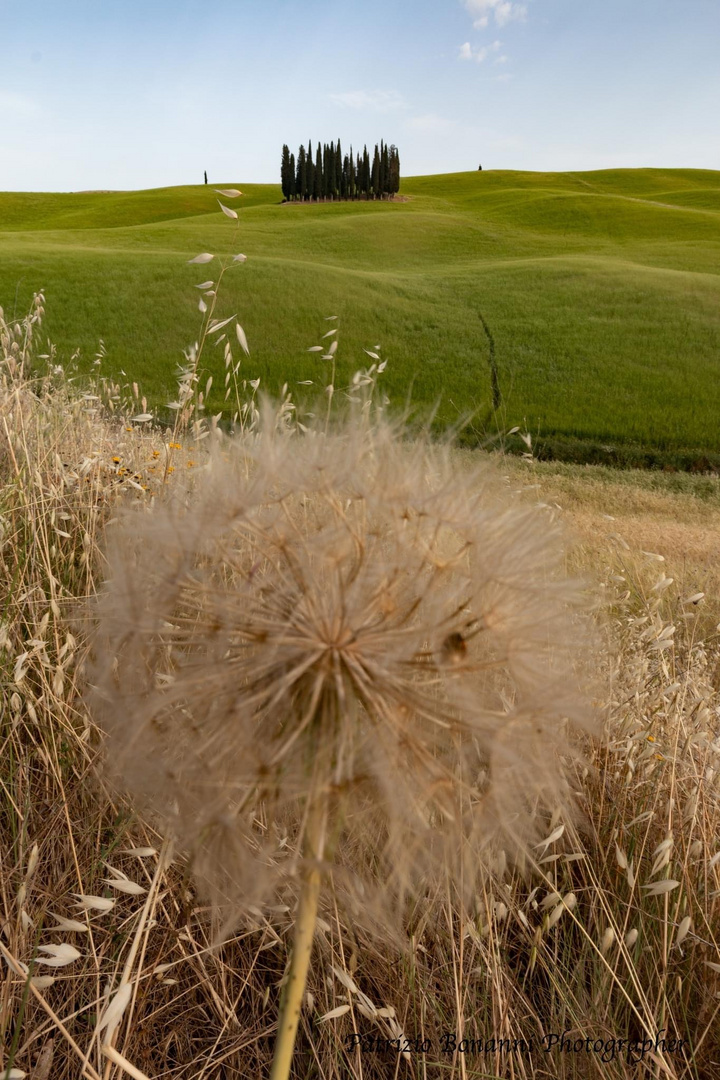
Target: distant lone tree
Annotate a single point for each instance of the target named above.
(206, 176)
(479, 168)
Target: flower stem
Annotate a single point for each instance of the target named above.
(302, 945)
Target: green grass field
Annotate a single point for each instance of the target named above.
(601, 289)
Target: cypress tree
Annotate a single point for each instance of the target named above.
(318, 184)
(366, 173)
(328, 170)
(301, 175)
(384, 170)
(310, 173)
(394, 171)
(292, 177)
(375, 175)
(351, 176)
(334, 174)
(338, 167)
(285, 171)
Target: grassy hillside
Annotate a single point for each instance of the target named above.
(601, 291)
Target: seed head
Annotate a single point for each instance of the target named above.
(345, 619)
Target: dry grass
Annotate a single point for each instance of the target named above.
(590, 944)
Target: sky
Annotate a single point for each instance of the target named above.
(128, 94)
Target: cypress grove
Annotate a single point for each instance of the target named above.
(333, 176)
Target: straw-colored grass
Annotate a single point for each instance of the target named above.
(615, 937)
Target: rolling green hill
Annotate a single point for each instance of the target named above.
(601, 291)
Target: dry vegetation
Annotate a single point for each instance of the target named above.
(109, 964)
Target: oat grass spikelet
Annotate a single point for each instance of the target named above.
(340, 648)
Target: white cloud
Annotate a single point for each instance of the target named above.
(431, 122)
(478, 55)
(370, 100)
(503, 11)
(467, 53)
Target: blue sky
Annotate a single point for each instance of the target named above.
(143, 93)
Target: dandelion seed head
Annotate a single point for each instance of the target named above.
(346, 617)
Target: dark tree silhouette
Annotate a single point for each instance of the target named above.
(338, 170)
(350, 192)
(285, 172)
(394, 171)
(328, 170)
(375, 176)
(318, 186)
(301, 175)
(385, 171)
(310, 186)
(329, 175)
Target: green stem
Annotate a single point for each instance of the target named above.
(302, 946)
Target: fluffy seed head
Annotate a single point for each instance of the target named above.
(345, 619)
